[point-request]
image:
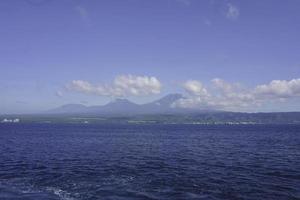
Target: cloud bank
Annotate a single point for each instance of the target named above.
(122, 86)
(218, 94)
(279, 89)
(228, 96)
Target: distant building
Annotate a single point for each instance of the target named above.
(16, 120)
(6, 120)
(10, 120)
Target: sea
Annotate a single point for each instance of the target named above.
(149, 161)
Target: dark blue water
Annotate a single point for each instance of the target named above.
(72, 162)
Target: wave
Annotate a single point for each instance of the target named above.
(17, 190)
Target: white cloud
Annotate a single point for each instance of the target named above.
(222, 85)
(233, 97)
(223, 96)
(195, 88)
(123, 85)
(233, 12)
(279, 89)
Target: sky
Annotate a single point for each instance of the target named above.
(225, 54)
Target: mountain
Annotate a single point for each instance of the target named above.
(163, 105)
(166, 101)
(125, 107)
(118, 106)
(158, 111)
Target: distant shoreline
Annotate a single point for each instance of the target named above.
(222, 118)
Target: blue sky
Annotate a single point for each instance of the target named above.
(47, 46)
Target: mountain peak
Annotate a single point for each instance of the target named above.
(121, 101)
(169, 99)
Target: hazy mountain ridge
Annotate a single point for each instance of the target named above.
(158, 111)
(124, 107)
